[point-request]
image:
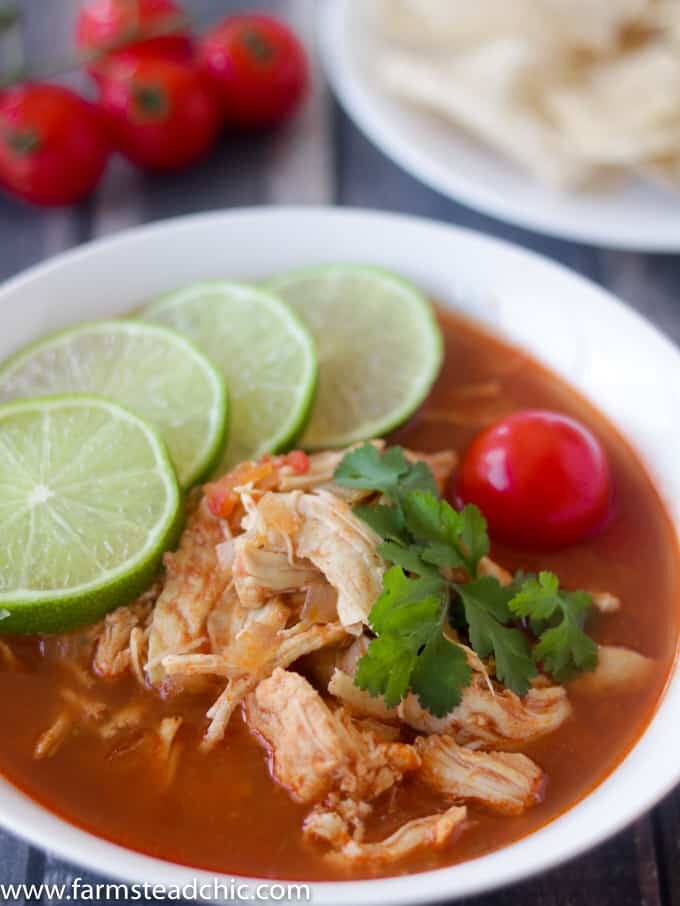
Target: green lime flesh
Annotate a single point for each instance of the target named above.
(263, 351)
(379, 346)
(149, 369)
(89, 504)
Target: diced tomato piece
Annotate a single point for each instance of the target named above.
(298, 461)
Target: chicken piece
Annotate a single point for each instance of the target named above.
(113, 655)
(260, 574)
(618, 670)
(168, 749)
(130, 717)
(85, 707)
(253, 642)
(487, 717)
(605, 602)
(508, 783)
(54, 737)
(491, 718)
(358, 701)
(431, 833)
(314, 750)
(291, 644)
(193, 585)
(322, 528)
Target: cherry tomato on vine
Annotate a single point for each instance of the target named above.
(260, 68)
(163, 115)
(106, 24)
(53, 144)
(540, 478)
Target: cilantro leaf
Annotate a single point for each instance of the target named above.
(386, 521)
(399, 593)
(565, 650)
(557, 617)
(423, 534)
(409, 558)
(410, 652)
(390, 473)
(485, 602)
(419, 478)
(474, 534)
(440, 675)
(386, 669)
(451, 538)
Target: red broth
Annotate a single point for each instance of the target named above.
(223, 812)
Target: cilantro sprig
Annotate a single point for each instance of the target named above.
(434, 580)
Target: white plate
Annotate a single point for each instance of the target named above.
(634, 215)
(629, 370)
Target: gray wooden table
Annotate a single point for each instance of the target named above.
(323, 159)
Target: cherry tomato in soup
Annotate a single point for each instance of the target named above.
(163, 115)
(115, 27)
(53, 144)
(259, 68)
(541, 479)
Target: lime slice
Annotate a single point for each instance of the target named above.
(89, 503)
(263, 351)
(148, 369)
(379, 348)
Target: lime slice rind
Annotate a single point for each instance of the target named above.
(41, 539)
(379, 345)
(149, 369)
(264, 352)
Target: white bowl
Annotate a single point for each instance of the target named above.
(617, 360)
(632, 214)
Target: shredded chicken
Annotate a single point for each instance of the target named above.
(54, 737)
(193, 585)
(321, 528)
(359, 701)
(505, 782)
(113, 654)
(260, 574)
(294, 644)
(487, 717)
(618, 669)
(129, 717)
(89, 708)
(432, 833)
(168, 748)
(315, 750)
(490, 718)
(606, 602)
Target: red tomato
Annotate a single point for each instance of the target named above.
(259, 67)
(540, 478)
(163, 115)
(53, 147)
(104, 24)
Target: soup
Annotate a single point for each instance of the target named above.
(124, 762)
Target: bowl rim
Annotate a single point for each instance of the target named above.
(528, 856)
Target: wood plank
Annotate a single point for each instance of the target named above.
(667, 824)
(621, 872)
(14, 858)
